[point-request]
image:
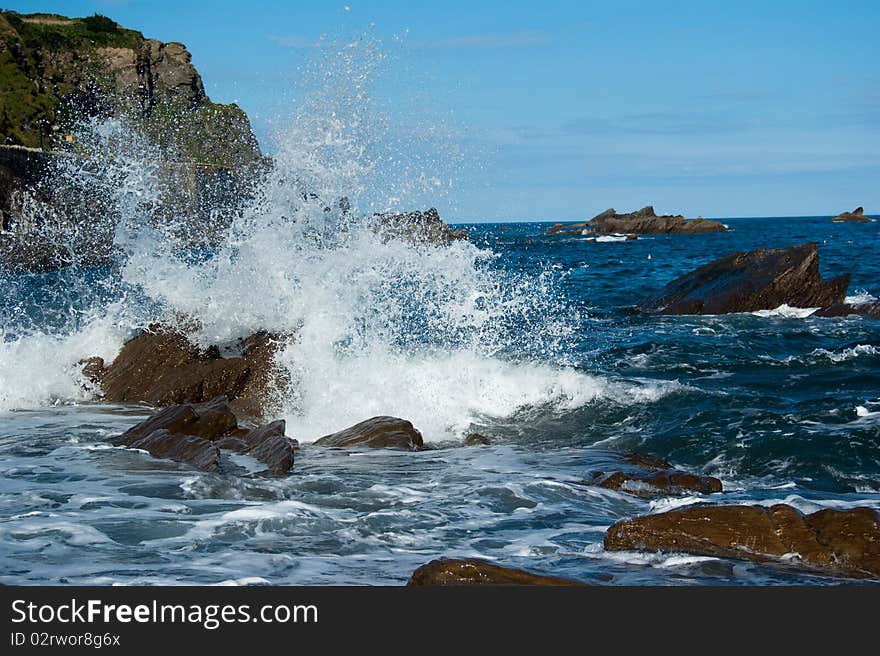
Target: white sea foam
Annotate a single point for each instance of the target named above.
(609, 238)
(38, 369)
(786, 312)
(435, 334)
(860, 296)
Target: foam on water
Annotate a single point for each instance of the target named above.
(38, 369)
(434, 333)
(786, 312)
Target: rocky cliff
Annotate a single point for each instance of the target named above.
(56, 70)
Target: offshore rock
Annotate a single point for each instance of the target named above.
(376, 433)
(650, 476)
(418, 227)
(840, 542)
(746, 282)
(161, 367)
(445, 572)
(856, 216)
(194, 433)
(640, 222)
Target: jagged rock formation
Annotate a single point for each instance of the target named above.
(55, 70)
(418, 227)
(747, 282)
(194, 434)
(856, 216)
(643, 221)
(161, 367)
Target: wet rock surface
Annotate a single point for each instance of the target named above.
(448, 572)
(747, 282)
(376, 433)
(839, 542)
(418, 227)
(646, 475)
(194, 434)
(475, 439)
(161, 367)
(869, 310)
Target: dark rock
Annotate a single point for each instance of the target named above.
(655, 483)
(651, 476)
(418, 227)
(844, 542)
(235, 444)
(161, 367)
(643, 221)
(210, 421)
(376, 433)
(856, 216)
(445, 572)
(870, 310)
(647, 460)
(475, 439)
(269, 445)
(92, 368)
(195, 451)
(193, 433)
(746, 282)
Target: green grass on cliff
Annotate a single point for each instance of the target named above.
(48, 74)
(56, 32)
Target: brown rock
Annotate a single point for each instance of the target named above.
(845, 542)
(651, 476)
(475, 439)
(445, 572)
(376, 433)
(269, 445)
(657, 483)
(640, 222)
(193, 433)
(92, 368)
(160, 367)
(856, 216)
(746, 282)
(195, 451)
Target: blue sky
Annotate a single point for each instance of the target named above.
(562, 109)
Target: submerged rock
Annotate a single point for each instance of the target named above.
(419, 227)
(195, 433)
(856, 216)
(475, 439)
(161, 367)
(444, 572)
(746, 282)
(870, 310)
(651, 476)
(376, 433)
(843, 542)
(640, 222)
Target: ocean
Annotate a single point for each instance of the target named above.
(531, 340)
